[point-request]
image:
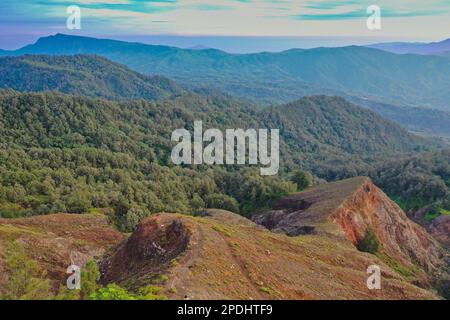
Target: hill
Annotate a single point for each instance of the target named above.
(94, 76)
(351, 207)
(433, 48)
(55, 242)
(424, 121)
(217, 256)
(84, 75)
(419, 183)
(280, 76)
(117, 154)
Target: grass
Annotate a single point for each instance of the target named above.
(433, 214)
(221, 229)
(395, 265)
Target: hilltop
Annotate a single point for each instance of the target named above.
(441, 48)
(101, 150)
(349, 208)
(276, 77)
(390, 87)
(221, 255)
(84, 75)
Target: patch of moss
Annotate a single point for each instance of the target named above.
(396, 266)
(221, 229)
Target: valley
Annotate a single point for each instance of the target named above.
(87, 177)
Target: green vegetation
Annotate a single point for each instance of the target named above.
(70, 154)
(419, 181)
(369, 243)
(395, 265)
(277, 77)
(91, 76)
(302, 179)
(26, 281)
(114, 292)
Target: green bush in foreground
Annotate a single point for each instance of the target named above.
(370, 242)
(114, 292)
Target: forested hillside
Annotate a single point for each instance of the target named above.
(275, 77)
(70, 153)
(419, 181)
(384, 82)
(91, 76)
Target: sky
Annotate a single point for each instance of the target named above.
(233, 25)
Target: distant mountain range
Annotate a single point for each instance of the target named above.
(91, 76)
(411, 80)
(441, 48)
(95, 76)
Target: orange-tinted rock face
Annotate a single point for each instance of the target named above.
(228, 257)
(402, 239)
(348, 208)
(147, 252)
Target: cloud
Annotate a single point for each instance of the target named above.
(229, 17)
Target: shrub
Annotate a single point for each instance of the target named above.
(133, 217)
(90, 274)
(222, 201)
(369, 243)
(112, 292)
(302, 179)
(26, 280)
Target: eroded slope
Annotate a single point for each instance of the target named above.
(229, 257)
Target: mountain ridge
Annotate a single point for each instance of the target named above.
(87, 75)
(288, 75)
(441, 48)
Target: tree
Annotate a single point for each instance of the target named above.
(302, 179)
(222, 201)
(112, 292)
(132, 218)
(90, 274)
(26, 279)
(78, 202)
(370, 242)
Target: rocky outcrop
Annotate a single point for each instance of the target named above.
(440, 229)
(56, 241)
(218, 256)
(349, 208)
(146, 254)
(224, 256)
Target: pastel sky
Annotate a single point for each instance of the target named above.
(24, 21)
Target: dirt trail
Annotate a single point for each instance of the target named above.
(181, 272)
(243, 269)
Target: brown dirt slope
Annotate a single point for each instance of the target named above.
(58, 240)
(224, 256)
(347, 209)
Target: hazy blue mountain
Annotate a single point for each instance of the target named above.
(274, 77)
(433, 48)
(92, 76)
(417, 119)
